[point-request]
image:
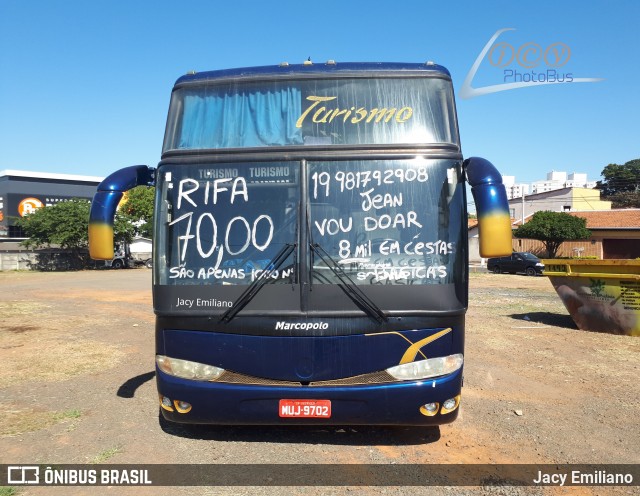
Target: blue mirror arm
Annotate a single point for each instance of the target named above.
(105, 203)
(492, 207)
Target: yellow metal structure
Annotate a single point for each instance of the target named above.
(600, 295)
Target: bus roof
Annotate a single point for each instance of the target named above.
(318, 69)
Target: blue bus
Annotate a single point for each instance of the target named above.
(310, 259)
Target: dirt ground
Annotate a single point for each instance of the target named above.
(77, 386)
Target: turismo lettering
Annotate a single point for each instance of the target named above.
(324, 115)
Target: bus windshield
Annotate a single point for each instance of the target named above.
(369, 223)
(320, 112)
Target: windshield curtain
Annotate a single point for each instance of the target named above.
(312, 112)
(240, 119)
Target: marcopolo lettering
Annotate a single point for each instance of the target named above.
(301, 326)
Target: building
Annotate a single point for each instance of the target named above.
(23, 192)
(555, 180)
(615, 234)
(513, 189)
(560, 180)
(558, 200)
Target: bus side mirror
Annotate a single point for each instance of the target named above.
(490, 196)
(104, 205)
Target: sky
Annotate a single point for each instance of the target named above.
(85, 85)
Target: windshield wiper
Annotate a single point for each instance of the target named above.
(348, 286)
(273, 265)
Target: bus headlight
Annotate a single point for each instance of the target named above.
(424, 369)
(188, 370)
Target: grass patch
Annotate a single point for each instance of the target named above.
(8, 491)
(106, 455)
(69, 414)
(12, 308)
(52, 359)
(15, 422)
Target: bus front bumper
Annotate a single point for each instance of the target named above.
(398, 403)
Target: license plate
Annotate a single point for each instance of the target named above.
(305, 408)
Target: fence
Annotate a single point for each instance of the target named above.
(17, 260)
(45, 260)
(586, 248)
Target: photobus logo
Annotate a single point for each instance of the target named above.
(522, 66)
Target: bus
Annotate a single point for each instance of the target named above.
(310, 254)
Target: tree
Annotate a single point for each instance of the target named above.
(123, 229)
(137, 209)
(64, 224)
(621, 184)
(552, 228)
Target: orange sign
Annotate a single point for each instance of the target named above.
(28, 206)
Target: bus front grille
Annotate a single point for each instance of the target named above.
(381, 377)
